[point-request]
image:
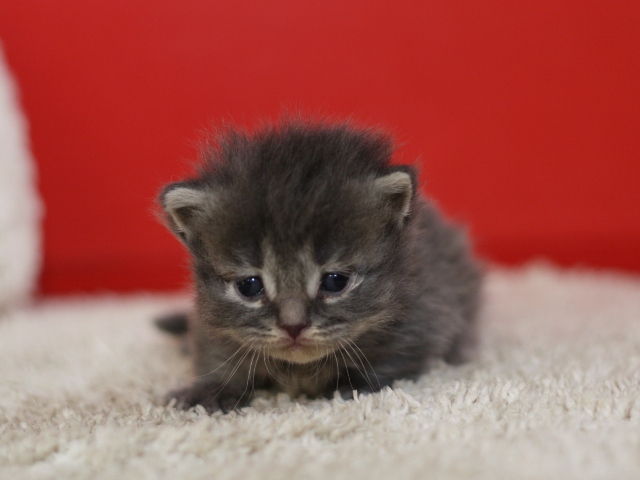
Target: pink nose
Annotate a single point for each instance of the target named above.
(294, 330)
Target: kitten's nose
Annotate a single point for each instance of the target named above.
(294, 330)
(293, 316)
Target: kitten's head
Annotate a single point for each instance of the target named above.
(297, 234)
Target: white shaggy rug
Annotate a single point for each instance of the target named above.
(554, 394)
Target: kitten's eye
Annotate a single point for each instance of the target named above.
(250, 287)
(333, 282)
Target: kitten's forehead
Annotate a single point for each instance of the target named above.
(252, 227)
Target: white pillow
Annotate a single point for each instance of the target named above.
(20, 210)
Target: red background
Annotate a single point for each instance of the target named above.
(525, 115)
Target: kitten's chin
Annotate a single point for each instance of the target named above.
(298, 354)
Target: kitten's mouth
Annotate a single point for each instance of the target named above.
(300, 350)
(295, 343)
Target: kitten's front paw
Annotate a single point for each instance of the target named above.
(207, 395)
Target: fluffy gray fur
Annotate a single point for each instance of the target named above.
(288, 205)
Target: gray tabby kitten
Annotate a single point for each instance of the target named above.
(318, 266)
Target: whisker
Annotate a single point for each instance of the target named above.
(232, 373)
(249, 372)
(280, 375)
(321, 363)
(264, 360)
(368, 362)
(337, 371)
(326, 357)
(340, 348)
(212, 352)
(253, 380)
(362, 372)
(276, 367)
(225, 362)
(248, 378)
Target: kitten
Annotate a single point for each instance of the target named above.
(318, 267)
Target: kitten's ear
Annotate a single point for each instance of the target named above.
(184, 204)
(397, 189)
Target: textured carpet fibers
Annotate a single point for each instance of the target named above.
(555, 393)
